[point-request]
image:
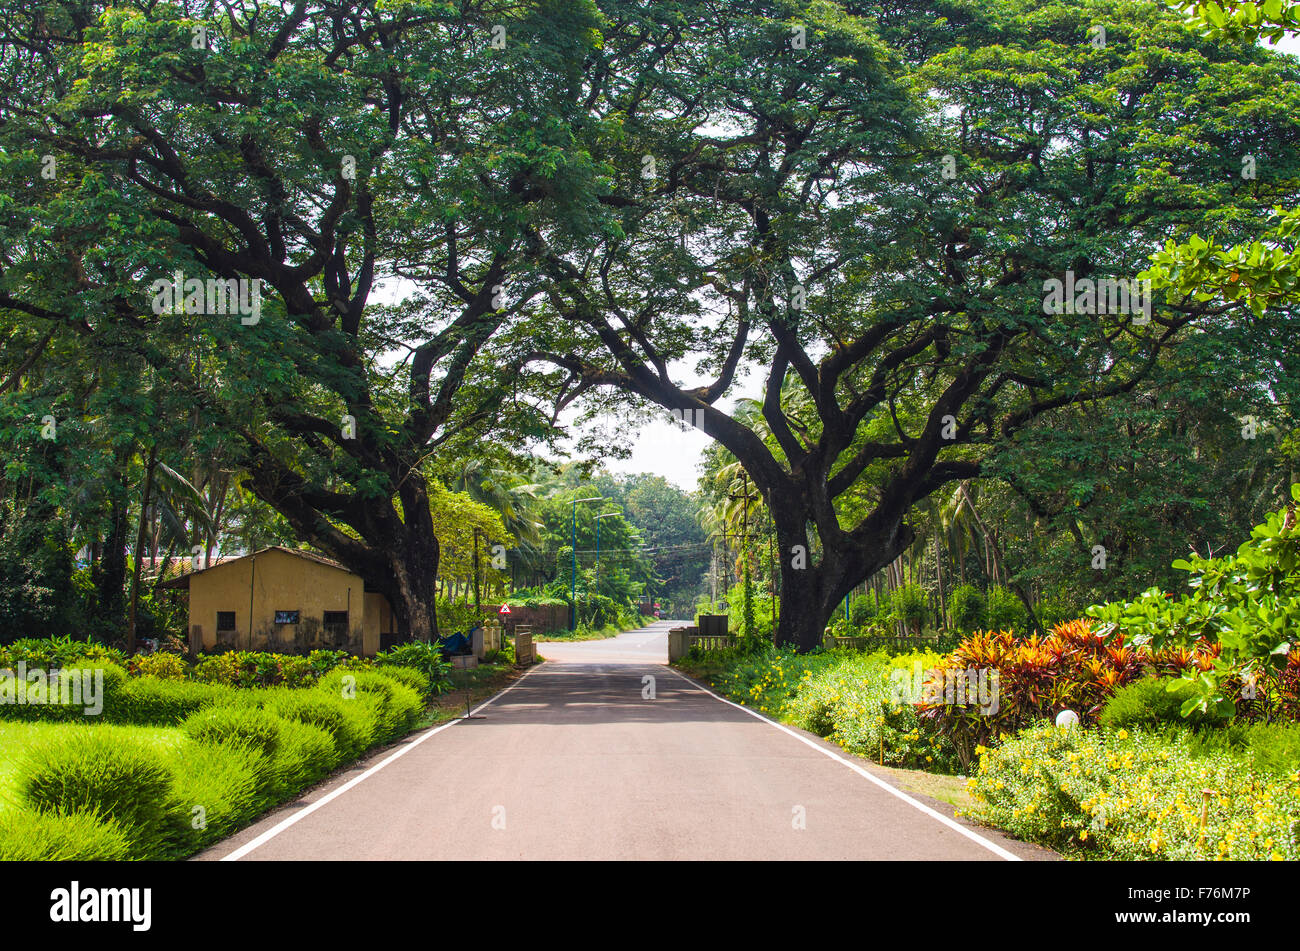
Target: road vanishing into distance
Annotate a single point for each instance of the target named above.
(604, 752)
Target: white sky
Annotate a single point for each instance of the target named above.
(664, 448)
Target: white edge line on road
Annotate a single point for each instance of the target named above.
(956, 826)
(279, 827)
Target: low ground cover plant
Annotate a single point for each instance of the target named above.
(1137, 795)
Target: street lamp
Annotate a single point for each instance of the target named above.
(573, 546)
(598, 518)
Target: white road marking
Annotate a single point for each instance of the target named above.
(271, 833)
(956, 826)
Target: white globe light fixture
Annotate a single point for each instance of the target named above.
(1067, 718)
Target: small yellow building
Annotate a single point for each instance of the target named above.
(287, 601)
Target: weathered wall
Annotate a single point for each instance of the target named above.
(378, 620)
(278, 581)
(547, 617)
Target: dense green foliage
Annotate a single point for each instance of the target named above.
(1150, 702)
(546, 266)
(86, 771)
(1246, 605)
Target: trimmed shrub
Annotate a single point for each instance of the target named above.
(1148, 702)
(351, 725)
(399, 707)
(30, 836)
(408, 676)
(258, 728)
(220, 788)
(149, 702)
(29, 700)
(307, 755)
(161, 666)
(84, 771)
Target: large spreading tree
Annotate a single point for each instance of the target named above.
(867, 204)
(313, 148)
(863, 203)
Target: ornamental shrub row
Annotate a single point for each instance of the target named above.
(93, 794)
(1075, 667)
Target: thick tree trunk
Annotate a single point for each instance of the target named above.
(413, 592)
(811, 593)
(413, 557)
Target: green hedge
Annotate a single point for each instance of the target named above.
(399, 706)
(30, 836)
(1148, 702)
(252, 725)
(351, 725)
(90, 794)
(149, 701)
(221, 788)
(86, 771)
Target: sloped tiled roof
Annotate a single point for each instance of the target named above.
(183, 581)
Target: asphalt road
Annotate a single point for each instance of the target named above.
(576, 761)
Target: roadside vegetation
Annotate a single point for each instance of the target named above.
(183, 755)
(1181, 737)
